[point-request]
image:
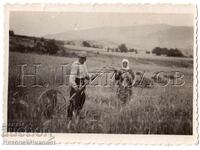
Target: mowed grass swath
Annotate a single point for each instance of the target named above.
(155, 110)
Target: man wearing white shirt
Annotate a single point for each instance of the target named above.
(78, 75)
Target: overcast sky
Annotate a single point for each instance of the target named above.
(39, 24)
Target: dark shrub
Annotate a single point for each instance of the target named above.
(51, 46)
(175, 53)
(160, 51)
(86, 44)
(167, 52)
(132, 50)
(148, 52)
(123, 48)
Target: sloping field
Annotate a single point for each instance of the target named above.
(156, 110)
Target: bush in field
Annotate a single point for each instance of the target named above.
(175, 53)
(167, 52)
(70, 43)
(160, 51)
(86, 44)
(97, 46)
(133, 50)
(117, 50)
(47, 47)
(123, 48)
(148, 52)
(39, 48)
(51, 46)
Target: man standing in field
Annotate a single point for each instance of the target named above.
(78, 78)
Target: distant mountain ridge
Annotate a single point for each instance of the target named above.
(144, 37)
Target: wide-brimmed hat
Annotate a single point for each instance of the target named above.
(82, 54)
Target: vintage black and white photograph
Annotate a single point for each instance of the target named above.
(109, 72)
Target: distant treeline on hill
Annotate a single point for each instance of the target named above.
(172, 52)
(30, 44)
(122, 48)
(167, 52)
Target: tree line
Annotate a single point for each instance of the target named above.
(122, 48)
(172, 52)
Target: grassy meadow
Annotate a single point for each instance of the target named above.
(156, 110)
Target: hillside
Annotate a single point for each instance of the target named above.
(144, 37)
(28, 44)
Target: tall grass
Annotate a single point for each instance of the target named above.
(156, 110)
(168, 113)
